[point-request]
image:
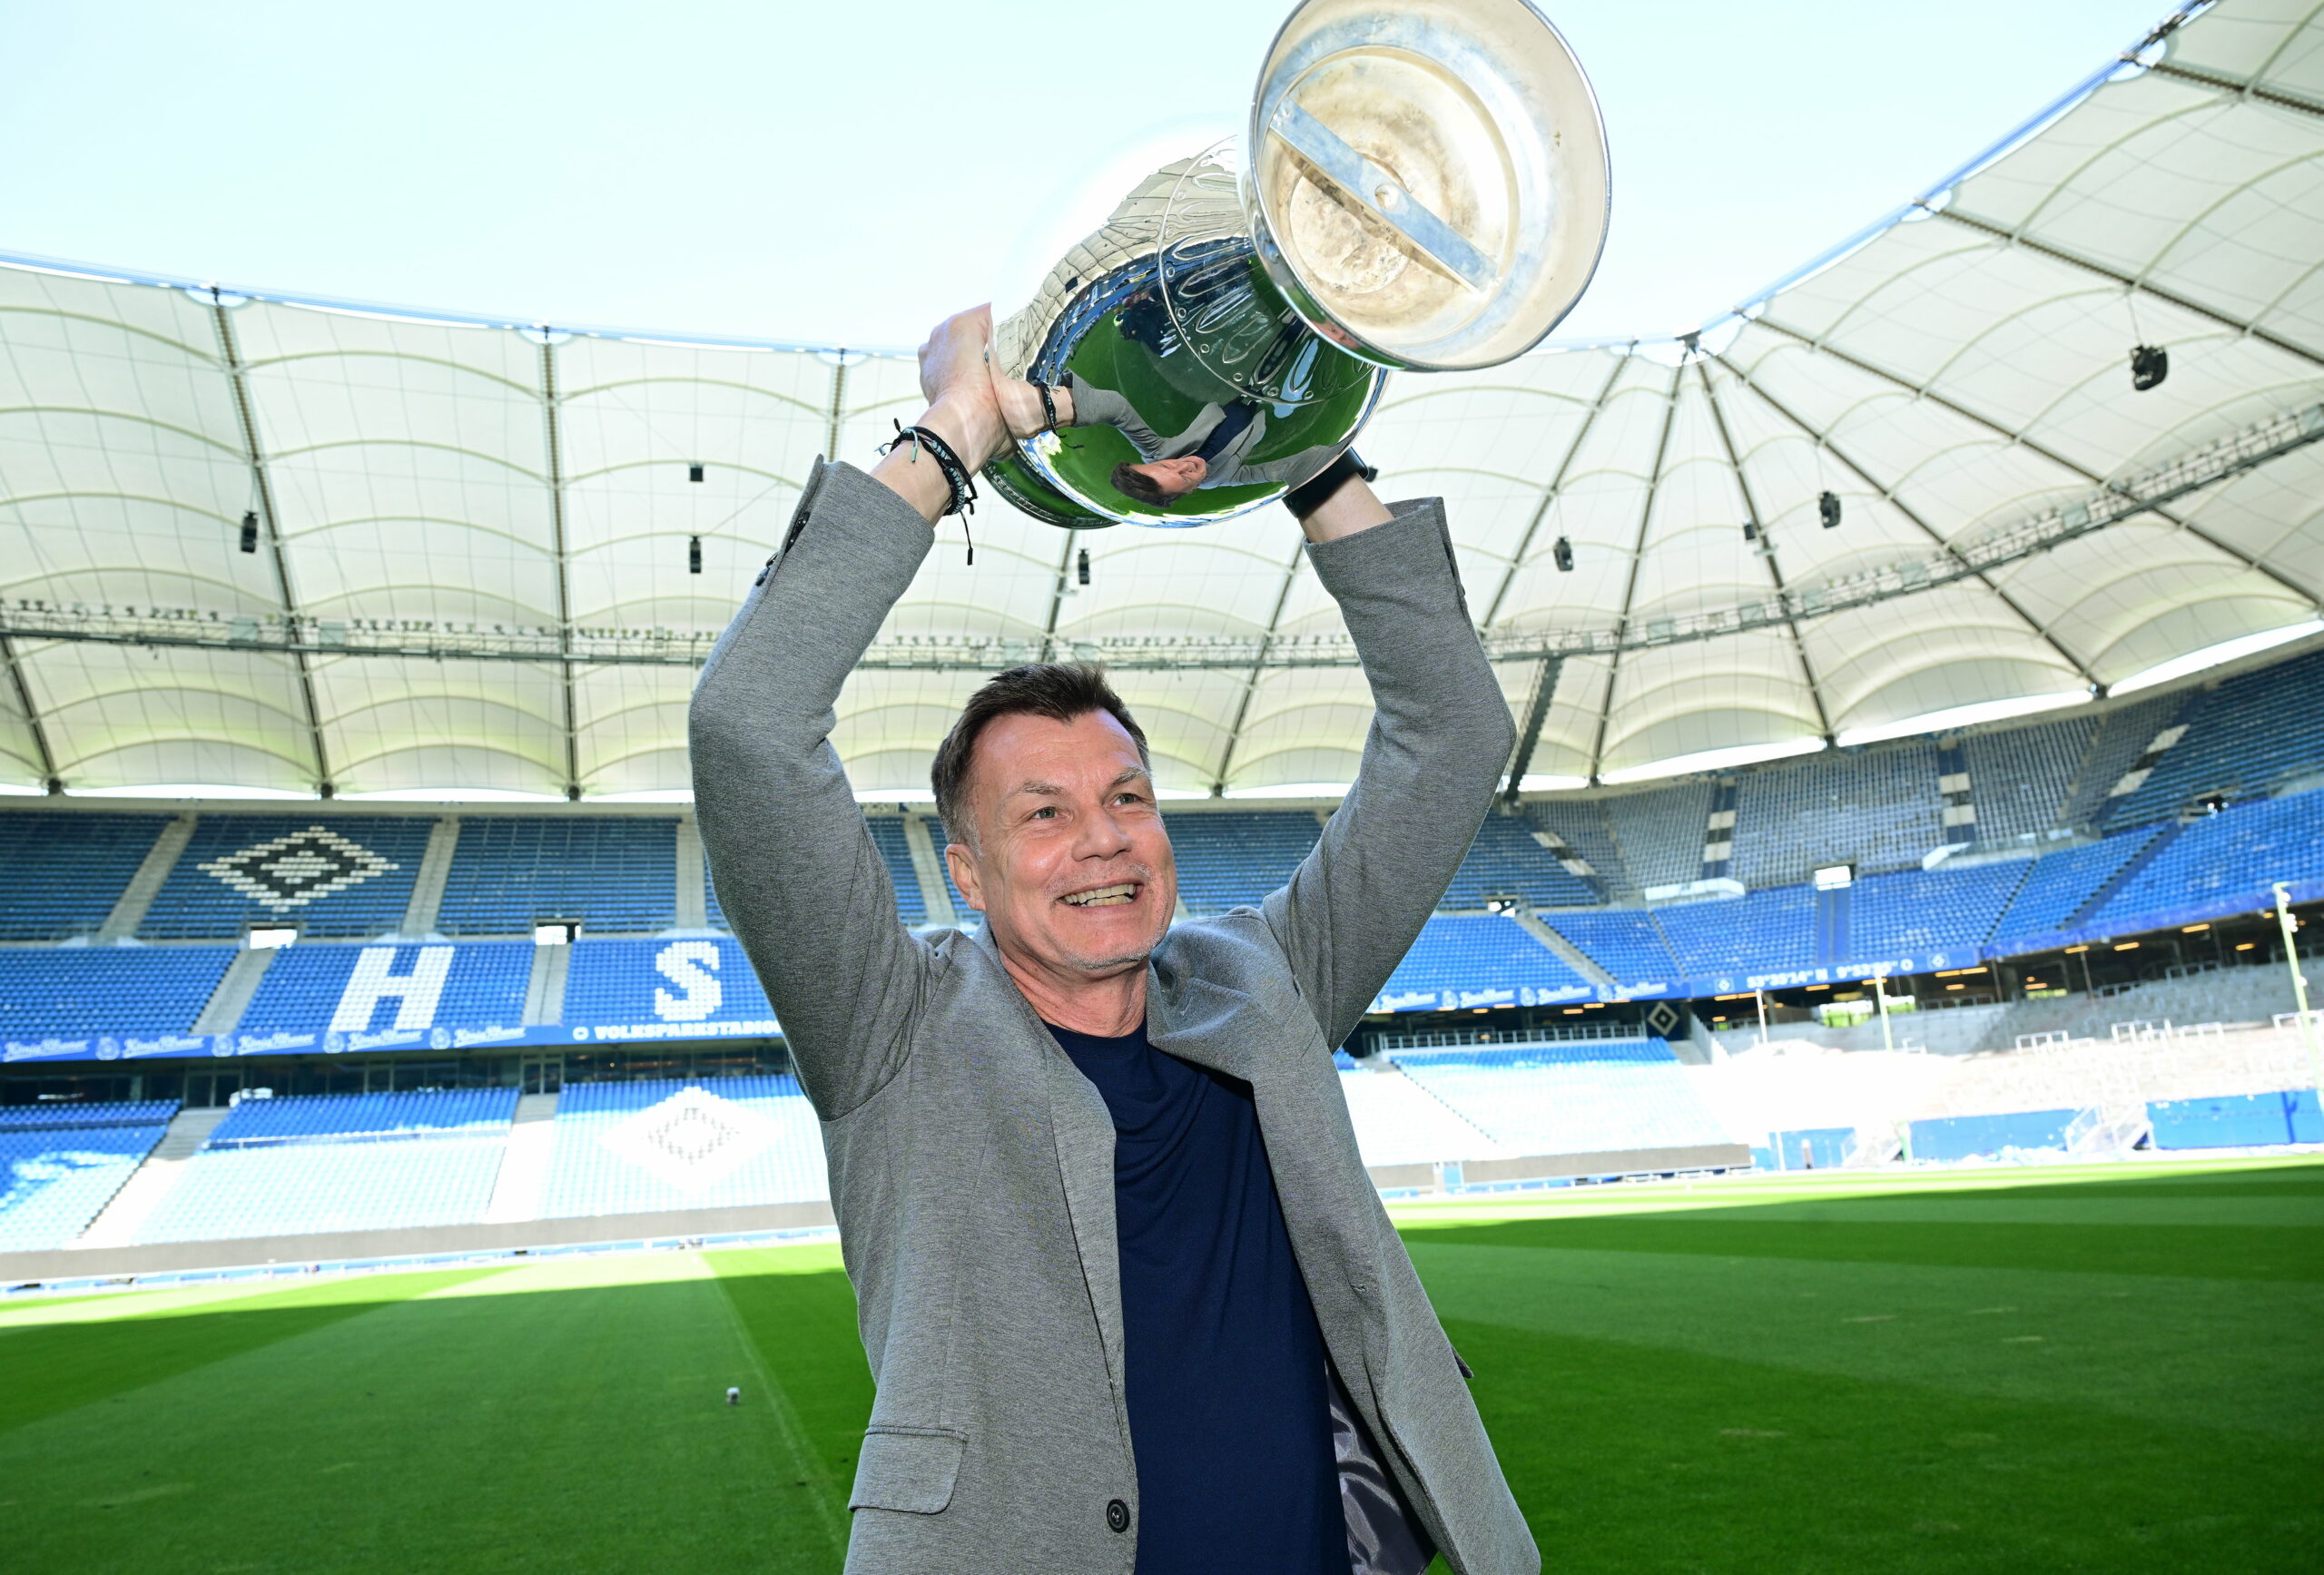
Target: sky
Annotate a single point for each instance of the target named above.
(847, 173)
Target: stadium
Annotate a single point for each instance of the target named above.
(1858, 1100)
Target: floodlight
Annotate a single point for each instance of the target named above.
(2150, 364)
(1750, 530)
(1563, 553)
(1827, 509)
(693, 471)
(1082, 567)
(250, 531)
(693, 551)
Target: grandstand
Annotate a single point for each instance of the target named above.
(1787, 789)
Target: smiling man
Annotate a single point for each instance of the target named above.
(1130, 1300)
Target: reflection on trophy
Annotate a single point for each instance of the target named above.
(1421, 185)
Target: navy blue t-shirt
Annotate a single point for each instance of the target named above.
(1228, 1409)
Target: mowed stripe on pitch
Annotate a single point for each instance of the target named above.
(580, 1428)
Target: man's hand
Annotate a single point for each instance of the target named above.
(963, 409)
(1021, 406)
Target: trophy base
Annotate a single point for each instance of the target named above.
(1010, 476)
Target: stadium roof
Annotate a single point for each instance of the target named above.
(471, 563)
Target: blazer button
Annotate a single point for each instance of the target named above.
(1117, 1515)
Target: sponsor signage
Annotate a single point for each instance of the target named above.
(678, 994)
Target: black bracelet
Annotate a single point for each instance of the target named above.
(1311, 494)
(956, 475)
(1048, 405)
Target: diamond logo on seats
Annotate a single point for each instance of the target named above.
(693, 1139)
(290, 871)
(1662, 1019)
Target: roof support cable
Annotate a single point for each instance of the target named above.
(46, 758)
(1258, 668)
(1551, 494)
(2039, 629)
(1058, 593)
(270, 521)
(553, 439)
(2236, 87)
(1529, 737)
(2305, 593)
(838, 412)
(1629, 584)
(1766, 550)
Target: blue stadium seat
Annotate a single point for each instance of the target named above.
(2021, 778)
(2060, 884)
(1660, 832)
(66, 871)
(1765, 932)
(1877, 808)
(1939, 918)
(1585, 1097)
(298, 1118)
(107, 989)
(626, 1148)
(61, 1165)
(340, 1162)
(1227, 858)
(672, 983)
(888, 836)
(2224, 863)
(1624, 941)
(346, 876)
(1505, 861)
(616, 874)
(1458, 956)
(2242, 740)
(484, 984)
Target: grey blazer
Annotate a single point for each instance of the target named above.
(971, 1165)
(1097, 407)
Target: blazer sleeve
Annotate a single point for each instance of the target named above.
(1097, 407)
(794, 865)
(1440, 736)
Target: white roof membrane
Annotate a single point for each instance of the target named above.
(447, 509)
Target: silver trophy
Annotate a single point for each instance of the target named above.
(1423, 185)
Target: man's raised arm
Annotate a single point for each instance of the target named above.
(1440, 734)
(797, 875)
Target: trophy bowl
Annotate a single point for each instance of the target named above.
(1423, 185)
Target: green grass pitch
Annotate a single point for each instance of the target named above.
(2054, 1370)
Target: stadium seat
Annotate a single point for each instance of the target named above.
(344, 876)
(1584, 1097)
(340, 1162)
(643, 1146)
(72, 991)
(663, 983)
(60, 1164)
(616, 874)
(65, 870)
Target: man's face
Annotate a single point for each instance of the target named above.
(1070, 864)
(1176, 478)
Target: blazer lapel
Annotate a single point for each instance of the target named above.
(1200, 1021)
(1083, 1131)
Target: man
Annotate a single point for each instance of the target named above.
(1212, 450)
(1131, 1301)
